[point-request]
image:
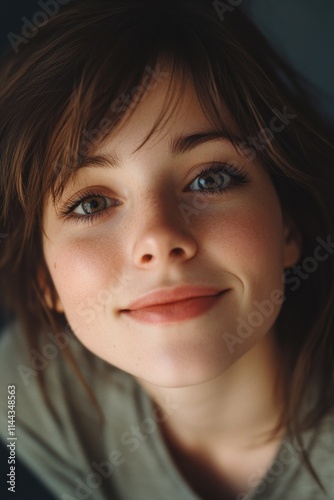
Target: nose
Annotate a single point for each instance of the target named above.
(161, 238)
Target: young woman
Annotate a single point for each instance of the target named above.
(169, 259)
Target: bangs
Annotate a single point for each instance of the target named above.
(83, 74)
(74, 145)
(88, 68)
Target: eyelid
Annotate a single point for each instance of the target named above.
(237, 173)
(83, 200)
(76, 200)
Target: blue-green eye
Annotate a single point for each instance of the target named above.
(88, 207)
(218, 178)
(92, 205)
(211, 181)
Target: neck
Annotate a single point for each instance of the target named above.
(241, 407)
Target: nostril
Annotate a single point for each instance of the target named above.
(147, 258)
(178, 251)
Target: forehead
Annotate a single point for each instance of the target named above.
(160, 107)
(165, 109)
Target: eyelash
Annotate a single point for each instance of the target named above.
(238, 178)
(72, 204)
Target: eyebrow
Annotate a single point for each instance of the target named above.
(178, 145)
(183, 144)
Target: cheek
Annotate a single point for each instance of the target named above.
(247, 236)
(82, 269)
(248, 243)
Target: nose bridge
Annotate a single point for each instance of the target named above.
(161, 233)
(160, 205)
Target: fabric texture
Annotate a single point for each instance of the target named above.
(77, 456)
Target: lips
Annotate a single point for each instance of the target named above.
(167, 305)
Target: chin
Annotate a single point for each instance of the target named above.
(177, 375)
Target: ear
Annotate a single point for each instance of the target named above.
(50, 295)
(57, 306)
(292, 242)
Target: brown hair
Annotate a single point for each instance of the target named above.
(70, 85)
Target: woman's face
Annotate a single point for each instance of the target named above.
(139, 220)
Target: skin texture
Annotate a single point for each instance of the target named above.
(236, 241)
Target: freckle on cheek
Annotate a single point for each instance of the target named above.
(85, 264)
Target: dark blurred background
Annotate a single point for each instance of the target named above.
(301, 30)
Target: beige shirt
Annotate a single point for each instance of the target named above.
(78, 457)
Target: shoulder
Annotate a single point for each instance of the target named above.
(59, 363)
(322, 450)
(63, 428)
(25, 365)
(290, 474)
(13, 351)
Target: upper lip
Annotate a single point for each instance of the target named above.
(168, 295)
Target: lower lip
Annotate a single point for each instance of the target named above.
(176, 311)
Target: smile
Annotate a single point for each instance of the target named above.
(176, 311)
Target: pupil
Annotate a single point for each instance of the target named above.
(93, 204)
(210, 182)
